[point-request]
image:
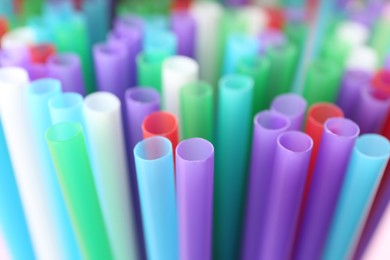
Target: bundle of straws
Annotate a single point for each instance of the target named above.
(194, 130)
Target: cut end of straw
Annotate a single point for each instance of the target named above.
(153, 148)
(63, 131)
(342, 127)
(194, 149)
(272, 121)
(66, 100)
(102, 102)
(373, 145)
(295, 141)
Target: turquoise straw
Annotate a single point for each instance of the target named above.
(12, 219)
(97, 19)
(155, 175)
(6, 8)
(232, 149)
(39, 93)
(365, 170)
(160, 41)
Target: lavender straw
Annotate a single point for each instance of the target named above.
(194, 187)
(351, 85)
(292, 157)
(338, 139)
(267, 127)
(292, 106)
(183, 25)
(66, 67)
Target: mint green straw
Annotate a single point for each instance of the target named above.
(380, 39)
(197, 110)
(232, 149)
(322, 82)
(149, 69)
(69, 153)
(258, 69)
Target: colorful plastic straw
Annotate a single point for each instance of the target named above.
(197, 110)
(41, 52)
(381, 34)
(23, 149)
(271, 38)
(366, 167)
(38, 94)
(322, 82)
(155, 174)
(4, 251)
(292, 106)
(351, 86)
(12, 219)
(195, 186)
(160, 40)
(232, 141)
(362, 58)
(336, 146)
(176, 72)
(257, 68)
(97, 19)
(20, 37)
(108, 158)
(67, 107)
(69, 153)
(163, 124)
(292, 158)
(207, 17)
(149, 67)
(381, 81)
(371, 109)
(15, 57)
(66, 67)
(267, 127)
(111, 65)
(183, 25)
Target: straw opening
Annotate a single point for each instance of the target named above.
(143, 95)
(289, 104)
(342, 127)
(236, 82)
(159, 123)
(272, 121)
(13, 75)
(181, 64)
(321, 112)
(195, 149)
(102, 102)
(63, 131)
(373, 145)
(153, 148)
(66, 100)
(44, 86)
(295, 141)
(63, 60)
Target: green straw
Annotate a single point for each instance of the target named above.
(283, 61)
(380, 40)
(69, 153)
(197, 115)
(149, 69)
(258, 69)
(322, 82)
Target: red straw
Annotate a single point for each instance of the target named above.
(40, 53)
(3, 26)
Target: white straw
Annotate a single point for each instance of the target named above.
(23, 150)
(21, 37)
(255, 18)
(362, 58)
(102, 111)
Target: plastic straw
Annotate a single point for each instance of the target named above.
(97, 19)
(177, 71)
(322, 82)
(207, 16)
(111, 65)
(232, 143)
(271, 38)
(66, 67)
(12, 219)
(267, 127)
(41, 52)
(149, 67)
(67, 107)
(197, 110)
(195, 185)
(362, 58)
(351, 85)
(237, 47)
(258, 69)
(183, 25)
(140, 102)
(38, 94)
(367, 164)
(283, 59)
(69, 153)
(107, 152)
(160, 40)
(292, 158)
(15, 57)
(254, 17)
(163, 124)
(23, 149)
(336, 146)
(371, 110)
(20, 37)
(292, 106)
(381, 34)
(155, 174)
(131, 37)
(381, 81)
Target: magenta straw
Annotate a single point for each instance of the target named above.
(194, 187)
(292, 157)
(337, 141)
(387, 63)
(66, 67)
(183, 25)
(37, 71)
(371, 110)
(267, 127)
(292, 106)
(351, 85)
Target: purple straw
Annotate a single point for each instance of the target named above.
(183, 25)
(271, 38)
(236, 2)
(37, 71)
(194, 187)
(292, 106)
(131, 36)
(111, 66)
(351, 85)
(337, 141)
(387, 63)
(66, 67)
(15, 57)
(292, 159)
(267, 127)
(371, 110)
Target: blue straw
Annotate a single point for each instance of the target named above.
(6, 8)
(160, 41)
(97, 19)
